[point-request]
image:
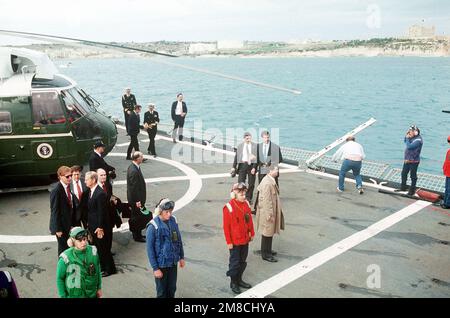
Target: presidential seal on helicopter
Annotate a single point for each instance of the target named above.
(46, 120)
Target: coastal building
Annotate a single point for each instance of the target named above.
(230, 44)
(421, 31)
(199, 48)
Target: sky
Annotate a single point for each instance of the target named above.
(210, 20)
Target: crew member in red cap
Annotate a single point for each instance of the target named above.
(446, 168)
(238, 230)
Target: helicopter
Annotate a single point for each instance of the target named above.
(46, 120)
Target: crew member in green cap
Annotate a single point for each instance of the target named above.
(78, 273)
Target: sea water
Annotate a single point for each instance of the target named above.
(338, 94)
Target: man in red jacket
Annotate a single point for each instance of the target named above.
(446, 168)
(238, 230)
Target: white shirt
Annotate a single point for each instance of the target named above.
(246, 155)
(266, 149)
(179, 109)
(75, 188)
(92, 190)
(350, 150)
(99, 154)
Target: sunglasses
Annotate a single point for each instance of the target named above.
(167, 206)
(68, 176)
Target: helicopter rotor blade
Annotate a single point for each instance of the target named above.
(117, 46)
(95, 43)
(446, 111)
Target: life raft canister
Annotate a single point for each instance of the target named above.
(428, 196)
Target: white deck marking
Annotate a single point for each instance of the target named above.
(195, 185)
(293, 273)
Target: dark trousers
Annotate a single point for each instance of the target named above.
(178, 127)
(127, 117)
(167, 285)
(266, 246)
(244, 172)
(109, 238)
(138, 221)
(237, 265)
(151, 136)
(62, 242)
(134, 143)
(410, 167)
(104, 253)
(447, 192)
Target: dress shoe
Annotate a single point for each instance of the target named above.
(144, 160)
(273, 253)
(235, 288)
(270, 259)
(105, 274)
(139, 239)
(243, 284)
(128, 158)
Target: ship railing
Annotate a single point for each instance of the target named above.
(370, 170)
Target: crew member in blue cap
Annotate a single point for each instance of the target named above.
(164, 248)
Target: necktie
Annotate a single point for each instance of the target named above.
(69, 198)
(104, 187)
(80, 193)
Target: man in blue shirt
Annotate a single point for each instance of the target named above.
(164, 249)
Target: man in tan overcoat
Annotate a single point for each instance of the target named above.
(269, 216)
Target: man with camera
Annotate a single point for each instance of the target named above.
(413, 141)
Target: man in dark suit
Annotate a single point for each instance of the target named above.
(151, 120)
(128, 103)
(245, 163)
(133, 130)
(136, 195)
(108, 189)
(80, 191)
(62, 208)
(179, 111)
(268, 154)
(96, 161)
(98, 223)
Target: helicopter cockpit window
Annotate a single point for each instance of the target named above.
(80, 99)
(74, 110)
(47, 109)
(5, 123)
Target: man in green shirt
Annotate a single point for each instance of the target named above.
(78, 273)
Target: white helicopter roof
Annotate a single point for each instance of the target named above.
(18, 68)
(17, 85)
(20, 60)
